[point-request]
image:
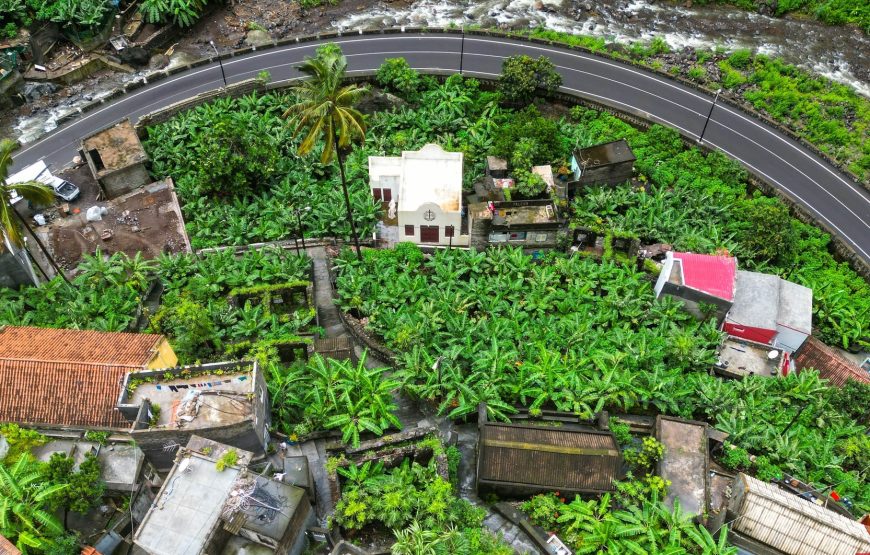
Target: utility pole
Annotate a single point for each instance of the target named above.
(220, 62)
(710, 113)
(462, 49)
(298, 212)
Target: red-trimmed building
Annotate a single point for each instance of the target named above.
(762, 308)
(699, 278)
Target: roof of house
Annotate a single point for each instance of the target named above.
(707, 273)
(791, 523)
(604, 154)
(134, 350)
(685, 462)
(7, 548)
(549, 458)
(431, 175)
(196, 498)
(61, 394)
(118, 146)
(756, 300)
(59, 377)
(830, 365)
(765, 301)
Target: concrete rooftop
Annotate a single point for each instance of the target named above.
(118, 146)
(222, 399)
(744, 358)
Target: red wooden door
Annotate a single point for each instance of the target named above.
(428, 233)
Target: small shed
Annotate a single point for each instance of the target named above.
(769, 520)
(604, 164)
(520, 460)
(117, 158)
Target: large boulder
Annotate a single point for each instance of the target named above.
(258, 38)
(134, 56)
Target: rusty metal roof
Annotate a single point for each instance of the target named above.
(548, 458)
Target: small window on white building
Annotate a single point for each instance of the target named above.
(518, 236)
(498, 237)
(541, 237)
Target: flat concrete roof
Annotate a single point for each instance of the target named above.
(201, 402)
(120, 463)
(744, 358)
(187, 508)
(684, 462)
(118, 146)
(756, 300)
(510, 215)
(431, 175)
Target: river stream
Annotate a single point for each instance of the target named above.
(840, 53)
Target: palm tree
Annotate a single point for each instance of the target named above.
(325, 108)
(24, 494)
(32, 191)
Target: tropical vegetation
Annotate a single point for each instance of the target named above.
(603, 526)
(240, 180)
(830, 115)
(418, 505)
(78, 17)
(324, 394)
(196, 312)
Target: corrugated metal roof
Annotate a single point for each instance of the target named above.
(6, 547)
(549, 458)
(793, 524)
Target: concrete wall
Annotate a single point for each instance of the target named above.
(123, 181)
(15, 269)
(442, 220)
(242, 435)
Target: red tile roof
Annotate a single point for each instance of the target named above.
(711, 274)
(61, 394)
(56, 377)
(830, 365)
(6, 547)
(63, 345)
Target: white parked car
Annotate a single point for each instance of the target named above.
(39, 172)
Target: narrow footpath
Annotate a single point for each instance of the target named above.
(465, 437)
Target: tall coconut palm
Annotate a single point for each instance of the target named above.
(33, 191)
(324, 108)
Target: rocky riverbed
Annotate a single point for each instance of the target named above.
(840, 53)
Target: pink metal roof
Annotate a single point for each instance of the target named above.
(708, 273)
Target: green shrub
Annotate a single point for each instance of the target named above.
(765, 470)
(698, 73)
(183, 13)
(740, 59)
(396, 75)
(644, 459)
(522, 77)
(543, 510)
(228, 459)
(621, 431)
(735, 458)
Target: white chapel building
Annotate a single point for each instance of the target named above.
(427, 186)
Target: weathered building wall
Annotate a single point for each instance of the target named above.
(242, 435)
(125, 180)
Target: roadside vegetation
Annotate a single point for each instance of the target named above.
(79, 20)
(831, 116)
(832, 12)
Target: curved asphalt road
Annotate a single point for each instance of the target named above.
(834, 200)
